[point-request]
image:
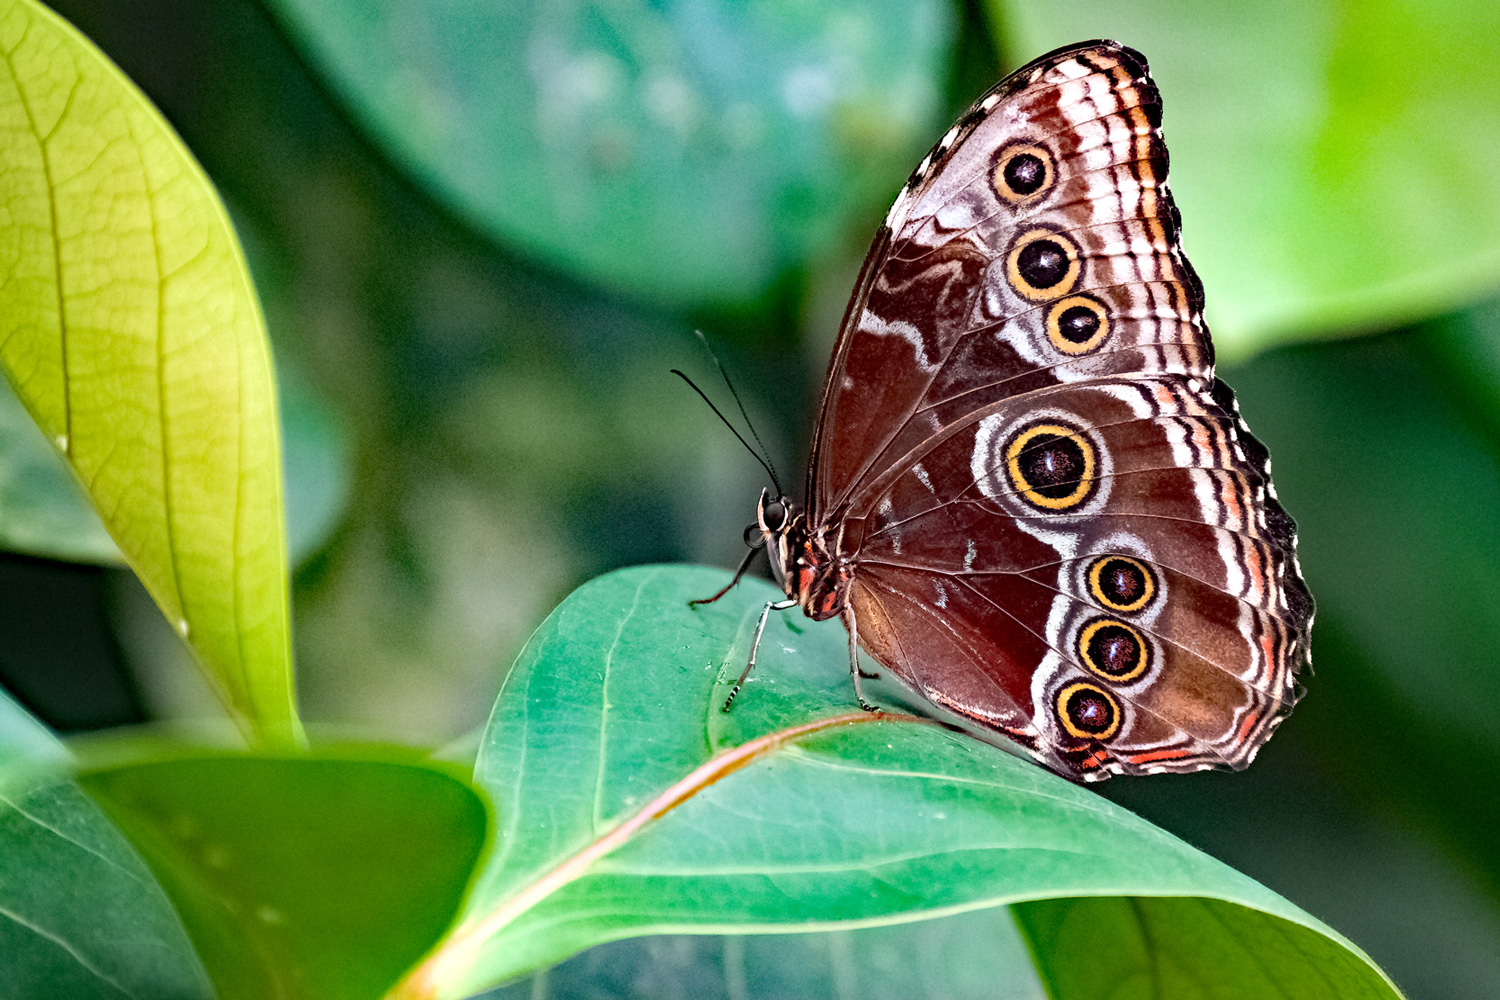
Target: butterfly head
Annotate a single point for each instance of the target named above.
(776, 526)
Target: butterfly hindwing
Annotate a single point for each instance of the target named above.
(1055, 526)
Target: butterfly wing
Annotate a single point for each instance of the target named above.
(1059, 528)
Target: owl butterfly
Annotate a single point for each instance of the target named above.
(1029, 499)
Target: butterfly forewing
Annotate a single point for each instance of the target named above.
(1056, 526)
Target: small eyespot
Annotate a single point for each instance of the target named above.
(1088, 712)
(1077, 324)
(1113, 650)
(1121, 583)
(1022, 172)
(1043, 265)
(1051, 465)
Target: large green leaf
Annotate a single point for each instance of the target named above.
(684, 151)
(630, 804)
(307, 878)
(1333, 161)
(80, 915)
(133, 336)
(977, 955)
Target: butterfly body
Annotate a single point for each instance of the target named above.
(1029, 498)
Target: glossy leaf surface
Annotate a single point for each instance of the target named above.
(134, 338)
(769, 819)
(301, 877)
(969, 956)
(1332, 161)
(686, 151)
(80, 915)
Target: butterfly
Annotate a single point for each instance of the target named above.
(1029, 499)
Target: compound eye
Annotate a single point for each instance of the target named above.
(753, 536)
(773, 513)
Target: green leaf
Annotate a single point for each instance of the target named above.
(302, 877)
(686, 152)
(631, 805)
(80, 915)
(133, 336)
(44, 512)
(1333, 161)
(969, 956)
(23, 739)
(1187, 948)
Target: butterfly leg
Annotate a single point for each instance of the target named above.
(744, 565)
(760, 627)
(854, 671)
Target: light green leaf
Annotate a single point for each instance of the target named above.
(688, 152)
(25, 740)
(631, 805)
(80, 915)
(1333, 161)
(44, 512)
(134, 338)
(306, 878)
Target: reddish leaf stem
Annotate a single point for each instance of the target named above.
(458, 949)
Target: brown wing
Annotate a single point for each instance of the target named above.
(1021, 430)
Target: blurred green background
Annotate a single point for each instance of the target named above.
(483, 233)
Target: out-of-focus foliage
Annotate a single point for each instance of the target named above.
(80, 915)
(1333, 161)
(318, 877)
(134, 338)
(686, 152)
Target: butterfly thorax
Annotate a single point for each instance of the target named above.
(802, 561)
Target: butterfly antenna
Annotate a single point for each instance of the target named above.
(764, 450)
(763, 463)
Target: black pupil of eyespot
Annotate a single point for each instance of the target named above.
(1078, 323)
(1025, 172)
(1121, 582)
(1090, 712)
(1053, 465)
(1043, 263)
(1114, 650)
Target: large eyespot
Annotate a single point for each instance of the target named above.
(1051, 465)
(1043, 265)
(1113, 650)
(1077, 324)
(1020, 172)
(1088, 712)
(1121, 583)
